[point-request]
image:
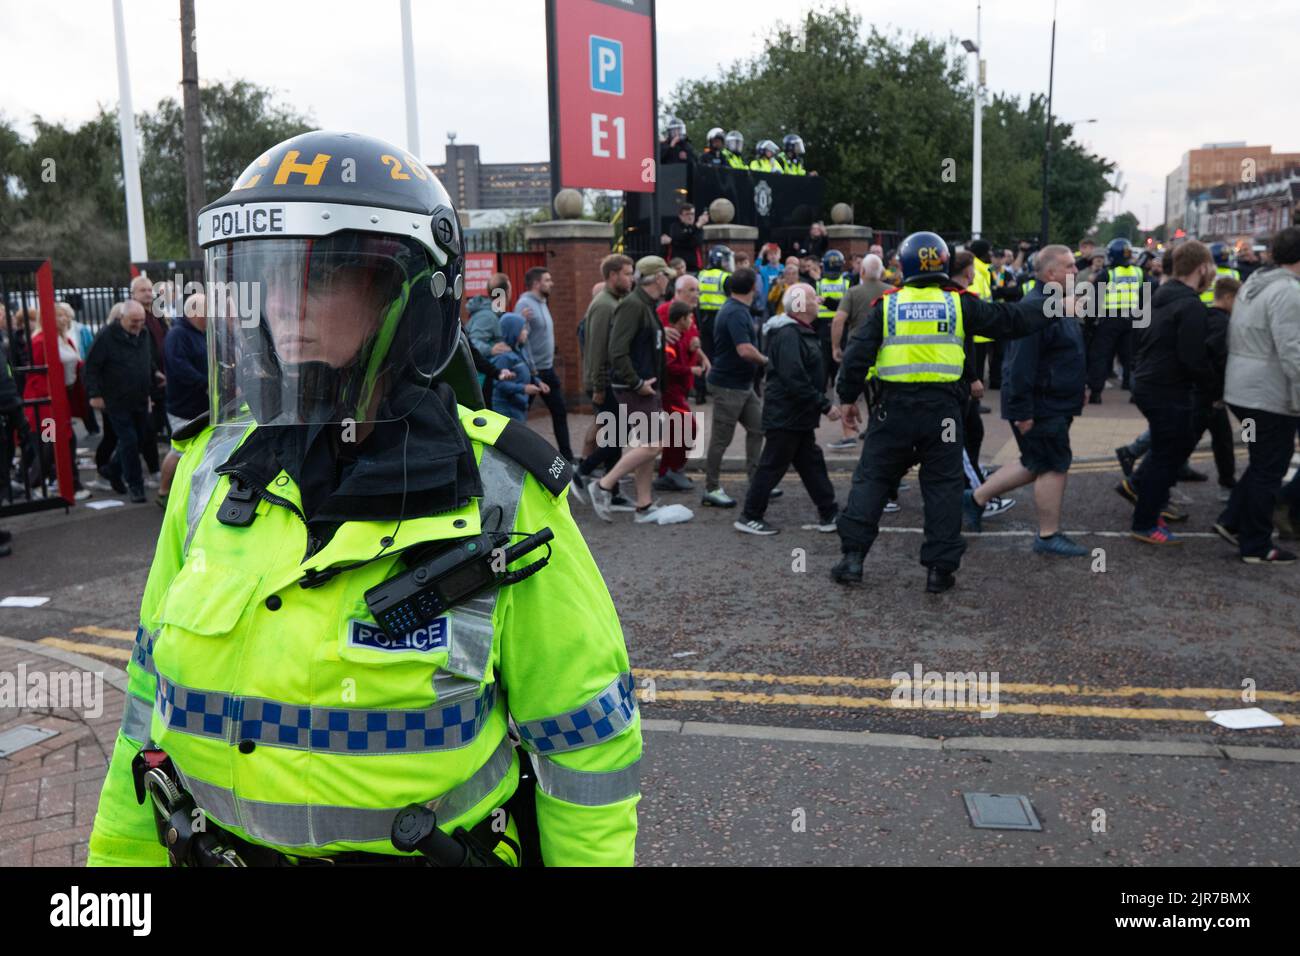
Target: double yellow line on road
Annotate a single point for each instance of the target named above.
(105, 651)
(1225, 696)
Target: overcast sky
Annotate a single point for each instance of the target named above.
(481, 65)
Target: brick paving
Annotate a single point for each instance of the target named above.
(49, 791)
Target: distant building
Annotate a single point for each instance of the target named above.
(474, 184)
(1256, 210)
(1213, 165)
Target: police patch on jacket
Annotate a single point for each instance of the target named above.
(427, 638)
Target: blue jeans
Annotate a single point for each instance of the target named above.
(131, 428)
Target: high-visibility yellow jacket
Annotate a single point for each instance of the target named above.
(923, 336)
(982, 287)
(297, 724)
(1208, 295)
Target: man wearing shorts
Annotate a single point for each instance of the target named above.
(185, 353)
(636, 367)
(1044, 385)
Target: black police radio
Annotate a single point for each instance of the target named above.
(432, 585)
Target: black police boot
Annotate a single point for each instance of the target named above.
(938, 581)
(849, 570)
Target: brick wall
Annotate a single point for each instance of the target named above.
(575, 267)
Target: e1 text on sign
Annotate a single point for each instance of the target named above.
(604, 94)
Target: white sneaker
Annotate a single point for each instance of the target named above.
(756, 526)
(825, 527)
(996, 506)
(891, 507)
(577, 488)
(600, 499)
(80, 495)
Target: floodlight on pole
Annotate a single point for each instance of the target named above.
(408, 75)
(139, 248)
(977, 162)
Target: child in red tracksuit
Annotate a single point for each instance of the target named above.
(681, 365)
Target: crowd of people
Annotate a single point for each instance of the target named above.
(1199, 333)
(142, 376)
(1193, 332)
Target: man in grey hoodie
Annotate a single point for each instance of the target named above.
(1262, 387)
(532, 305)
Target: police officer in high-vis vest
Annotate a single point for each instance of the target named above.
(713, 296)
(831, 288)
(791, 158)
(1222, 254)
(765, 158)
(733, 150)
(364, 591)
(916, 337)
(1119, 288)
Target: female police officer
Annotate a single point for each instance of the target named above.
(296, 711)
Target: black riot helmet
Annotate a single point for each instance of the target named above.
(334, 271)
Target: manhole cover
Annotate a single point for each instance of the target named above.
(24, 735)
(997, 811)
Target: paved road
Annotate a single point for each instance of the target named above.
(736, 632)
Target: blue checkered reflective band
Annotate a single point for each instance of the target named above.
(425, 639)
(142, 653)
(605, 715)
(327, 729)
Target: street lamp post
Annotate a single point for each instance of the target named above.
(1047, 142)
(977, 167)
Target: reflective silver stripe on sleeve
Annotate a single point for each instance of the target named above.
(204, 478)
(289, 825)
(471, 639)
(606, 715)
(587, 788)
(885, 370)
(135, 718)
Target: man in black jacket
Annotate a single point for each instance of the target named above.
(120, 375)
(1171, 360)
(10, 407)
(793, 404)
(1043, 388)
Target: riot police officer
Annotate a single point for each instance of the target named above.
(831, 288)
(915, 338)
(713, 296)
(1120, 288)
(791, 158)
(765, 160)
(1222, 254)
(714, 149)
(345, 614)
(733, 150)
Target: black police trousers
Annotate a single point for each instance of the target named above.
(1112, 337)
(908, 426)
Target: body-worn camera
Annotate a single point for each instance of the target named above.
(433, 584)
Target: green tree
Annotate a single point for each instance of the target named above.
(240, 122)
(61, 190)
(1123, 226)
(887, 121)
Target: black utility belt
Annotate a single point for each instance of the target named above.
(190, 843)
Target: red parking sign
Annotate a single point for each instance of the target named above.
(601, 54)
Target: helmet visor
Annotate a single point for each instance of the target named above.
(309, 331)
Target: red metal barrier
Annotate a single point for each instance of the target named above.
(19, 294)
(515, 265)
